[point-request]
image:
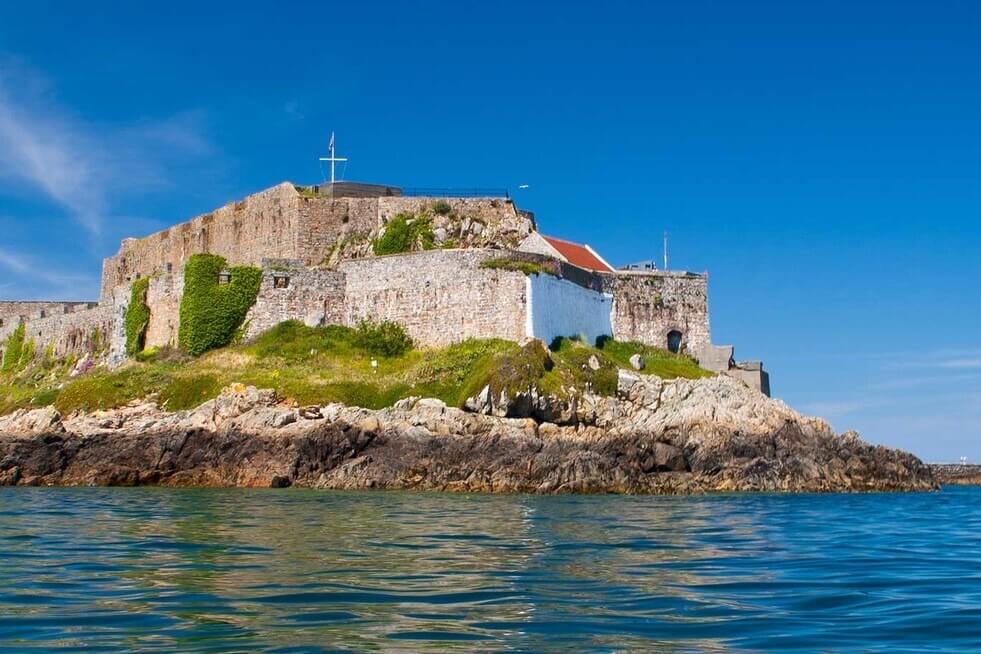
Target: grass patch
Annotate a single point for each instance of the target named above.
(517, 265)
(320, 365)
(405, 233)
(657, 361)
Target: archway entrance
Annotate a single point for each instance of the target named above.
(674, 341)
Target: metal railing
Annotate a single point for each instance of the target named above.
(456, 192)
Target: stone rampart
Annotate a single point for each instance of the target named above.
(262, 225)
(282, 222)
(647, 306)
(439, 296)
(312, 296)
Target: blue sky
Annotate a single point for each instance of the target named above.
(821, 160)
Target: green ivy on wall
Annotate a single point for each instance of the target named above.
(137, 316)
(211, 313)
(14, 350)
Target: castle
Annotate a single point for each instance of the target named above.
(486, 272)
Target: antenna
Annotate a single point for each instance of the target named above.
(665, 250)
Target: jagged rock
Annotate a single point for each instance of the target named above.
(43, 420)
(593, 362)
(656, 436)
(637, 362)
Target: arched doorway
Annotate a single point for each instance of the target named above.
(674, 341)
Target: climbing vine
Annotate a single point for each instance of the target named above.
(13, 350)
(137, 316)
(211, 313)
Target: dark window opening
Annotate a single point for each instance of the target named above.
(674, 341)
(170, 267)
(281, 281)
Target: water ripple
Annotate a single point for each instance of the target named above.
(163, 570)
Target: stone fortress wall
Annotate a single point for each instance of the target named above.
(318, 267)
(286, 223)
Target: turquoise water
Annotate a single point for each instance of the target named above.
(120, 570)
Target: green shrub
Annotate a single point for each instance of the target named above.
(14, 351)
(442, 207)
(211, 313)
(386, 338)
(137, 316)
(404, 233)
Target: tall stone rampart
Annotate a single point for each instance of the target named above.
(262, 225)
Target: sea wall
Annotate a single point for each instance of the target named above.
(558, 307)
(647, 306)
(439, 296)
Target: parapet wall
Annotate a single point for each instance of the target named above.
(13, 312)
(647, 306)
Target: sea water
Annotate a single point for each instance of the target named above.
(149, 569)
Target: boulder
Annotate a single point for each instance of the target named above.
(637, 362)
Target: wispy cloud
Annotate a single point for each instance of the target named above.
(83, 166)
(65, 284)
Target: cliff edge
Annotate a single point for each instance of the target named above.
(652, 436)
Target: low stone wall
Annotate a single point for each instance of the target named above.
(649, 305)
(439, 296)
(559, 307)
(76, 333)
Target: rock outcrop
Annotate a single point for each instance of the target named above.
(681, 436)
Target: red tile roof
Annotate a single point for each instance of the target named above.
(579, 255)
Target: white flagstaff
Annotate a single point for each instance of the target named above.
(331, 158)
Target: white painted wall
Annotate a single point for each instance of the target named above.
(557, 307)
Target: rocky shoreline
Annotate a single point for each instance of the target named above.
(655, 436)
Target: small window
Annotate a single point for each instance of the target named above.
(281, 281)
(224, 277)
(43, 313)
(674, 341)
(1, 322)
(170, 267)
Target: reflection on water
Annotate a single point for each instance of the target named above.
(306, 571)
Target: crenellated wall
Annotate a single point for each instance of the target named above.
(649, 305)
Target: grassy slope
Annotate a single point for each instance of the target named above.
(322, 365)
